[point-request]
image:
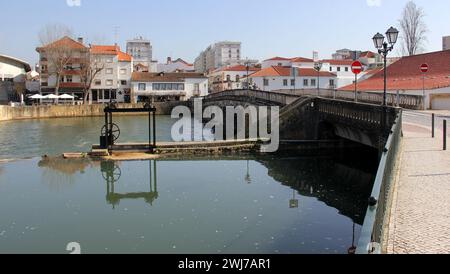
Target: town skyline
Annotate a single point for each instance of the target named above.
(170, 38)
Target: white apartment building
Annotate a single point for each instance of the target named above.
(228, 78)
(218, 55)
(113, 82)
(288, 62)
(70, 77)
(142, 52)
(179, 65)
(277, 78)
(12, 78)
(167, 86)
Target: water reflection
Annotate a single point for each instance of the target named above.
(335, 183)
(111, 173)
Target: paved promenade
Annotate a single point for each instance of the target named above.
(420, 217)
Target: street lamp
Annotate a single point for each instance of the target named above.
(247, 65)
(318, 67)
(384, 48)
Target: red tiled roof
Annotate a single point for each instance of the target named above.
(63, 42)
(302, 60)
(405, 74)
(123, 57)
(239, 68)
(367, 54)
(278, 59)
(104, 50)
(111, 50)
(286, 72)
(184, 62)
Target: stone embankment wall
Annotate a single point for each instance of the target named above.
(61, 111)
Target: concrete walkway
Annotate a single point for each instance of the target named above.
(420, 217)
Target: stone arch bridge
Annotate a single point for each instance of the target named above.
(310, 118)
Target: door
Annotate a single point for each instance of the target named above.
(440, 102)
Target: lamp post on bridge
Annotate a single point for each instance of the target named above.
(384, 48)
(318, 66)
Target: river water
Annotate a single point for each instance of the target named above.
(248, 204)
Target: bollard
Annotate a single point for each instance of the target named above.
(445, 134)
(432, 125)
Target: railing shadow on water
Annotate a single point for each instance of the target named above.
(373, 233)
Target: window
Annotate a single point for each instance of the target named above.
(123, 82)
(331, 68)
(156, 87)
(280, 64)
(109, 60)
(292, 82)
(106, 95)
(238, 78)
(228, 78)
(196, 87)
(305, 82)
(123, 71)
(98, 82)
(346, 69)
(109, 82)
(313, 82)
(332, 83)
(266, 82)
(285, 82)
(142, 86)
(338, 68)
(109, 71)
(69, 79)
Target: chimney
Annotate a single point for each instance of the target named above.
(80, 40)
(169, 60)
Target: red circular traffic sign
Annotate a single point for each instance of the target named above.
(424, 68)
(357, 67)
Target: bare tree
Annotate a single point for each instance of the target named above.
(414, 29)
(89, 71)
(56, 50)
(53, 32)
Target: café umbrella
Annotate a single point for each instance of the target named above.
(37, 96)
(66, 96)
(51, 96)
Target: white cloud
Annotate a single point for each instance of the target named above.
(73, 3)
(374, 3)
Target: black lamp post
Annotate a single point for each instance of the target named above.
(318, 67)
(384, 48)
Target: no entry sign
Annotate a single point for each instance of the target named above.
(424, 68)
(357, 67)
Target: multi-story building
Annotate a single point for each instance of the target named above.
(446, 43)
(290, 78)
(168, 86)
(230, 77)
(142, 52)
(344, 54)
(179, 65)
(288, 62)
(218, 55)
(61, 63)
(113, 82)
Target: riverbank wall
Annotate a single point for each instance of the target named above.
(8, 113)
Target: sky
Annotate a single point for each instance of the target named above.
(183, 28)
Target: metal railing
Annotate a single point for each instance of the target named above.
(401, 100)
(279, 98)
(372, 236)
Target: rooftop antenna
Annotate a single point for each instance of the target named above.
(116, 34)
